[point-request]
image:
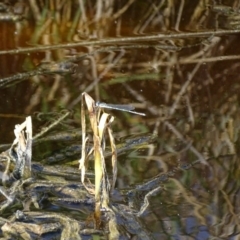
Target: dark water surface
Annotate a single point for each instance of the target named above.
(175, 61)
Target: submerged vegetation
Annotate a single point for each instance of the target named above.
(71, 169)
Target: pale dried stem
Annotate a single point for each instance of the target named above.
(123, 40)
(191, 148)
(179, 15)
(183, 89)
(55, 123)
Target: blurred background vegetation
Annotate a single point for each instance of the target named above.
(175, 60)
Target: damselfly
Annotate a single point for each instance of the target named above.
(125, 108)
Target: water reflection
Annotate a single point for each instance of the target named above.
(176, 61)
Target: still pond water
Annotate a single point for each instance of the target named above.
(175, 61)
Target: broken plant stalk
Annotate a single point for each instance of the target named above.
(99, 124)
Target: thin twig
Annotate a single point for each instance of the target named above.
(55, 123)
(120, 41)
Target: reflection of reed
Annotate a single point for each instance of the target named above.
(177, 59)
